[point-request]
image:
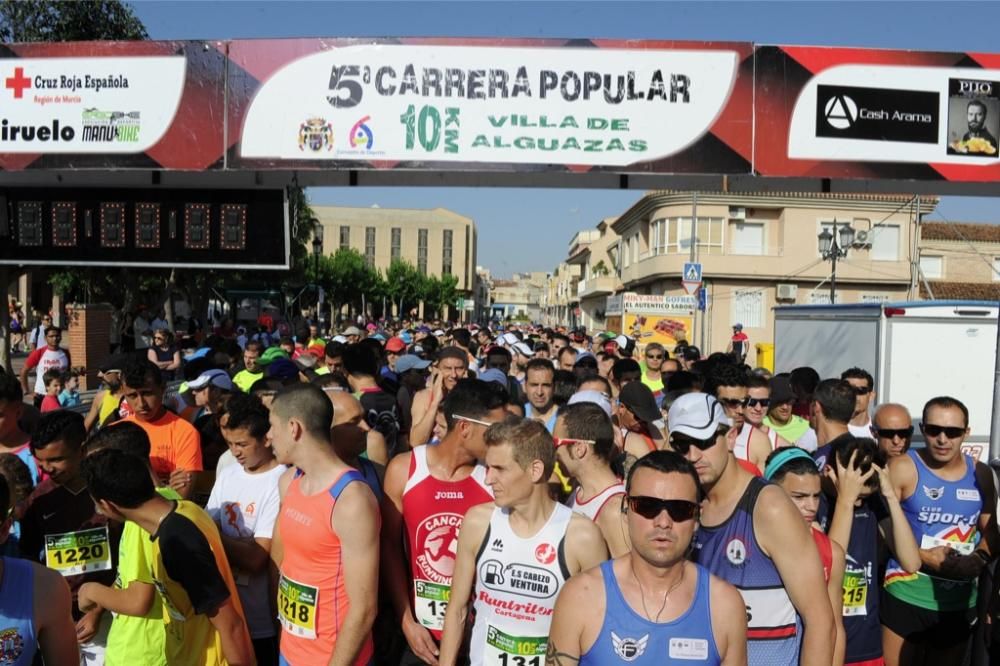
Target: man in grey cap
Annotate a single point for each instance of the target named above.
(753, 537)
(352, 333)
(780, 418)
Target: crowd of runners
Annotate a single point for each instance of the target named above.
(505, 496)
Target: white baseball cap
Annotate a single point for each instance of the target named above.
(697, 415)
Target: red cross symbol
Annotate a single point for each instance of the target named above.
(18, 82)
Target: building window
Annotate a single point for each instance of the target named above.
(397, 243)
(446, 253)
(932, 267)
(422, 251)
(885, 243)
(370, 246)
(635, 248)
(746, 238)
(674, 235)
(748, 307)
(345, 238)
(658, 237)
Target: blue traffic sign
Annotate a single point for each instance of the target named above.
(692, 273)
(702, 299)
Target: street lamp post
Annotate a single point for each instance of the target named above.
(832, 246)
(317, 243)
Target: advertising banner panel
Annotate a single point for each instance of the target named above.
(866, 113)
(142, 105)
(494, 104)
(665, 329)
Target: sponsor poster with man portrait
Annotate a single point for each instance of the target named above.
(973, 117)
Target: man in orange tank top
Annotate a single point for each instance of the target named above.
(326, 540)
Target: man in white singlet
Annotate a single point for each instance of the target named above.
(516, 552)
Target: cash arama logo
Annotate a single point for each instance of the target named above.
(877, 114)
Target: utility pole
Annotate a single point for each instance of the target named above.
(694, 258)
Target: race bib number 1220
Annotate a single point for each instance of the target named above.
(80, 552)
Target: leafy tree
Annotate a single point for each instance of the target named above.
(83, 20)
(404, 285)
(345, 276)
(441, 294)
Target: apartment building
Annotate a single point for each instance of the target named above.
(438, 241)
(757, 250)
(592, 251)
(959, 261)
(519, 297)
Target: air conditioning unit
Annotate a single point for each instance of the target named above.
(863, 239)
(737, 213)
(786, 291)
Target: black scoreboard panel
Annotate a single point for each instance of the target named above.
(144, 227)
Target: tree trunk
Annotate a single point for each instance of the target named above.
(168, 302)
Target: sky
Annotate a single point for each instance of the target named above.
(530, 229)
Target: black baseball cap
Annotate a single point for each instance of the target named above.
(639, 399)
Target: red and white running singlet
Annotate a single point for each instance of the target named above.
(433, 511)
(592, 507)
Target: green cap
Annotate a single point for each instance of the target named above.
(607, 335)
(271, 354)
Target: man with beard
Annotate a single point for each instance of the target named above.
(976, 117)
(108, 403)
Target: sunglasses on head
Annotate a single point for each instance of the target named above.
(754, 402)
(683, 443)
(951, 432)
(566, 441)
(651, 507)
(892, 433)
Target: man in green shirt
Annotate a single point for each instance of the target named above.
(780, 418)
(135, 637)
(252, 370)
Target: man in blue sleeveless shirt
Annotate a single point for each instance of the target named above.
(652, 605)
(35, 607)
(948, 499)
(753, 537)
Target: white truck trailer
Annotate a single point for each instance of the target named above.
(915, 350)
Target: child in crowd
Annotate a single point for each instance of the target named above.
(53, 387)
(70, 396)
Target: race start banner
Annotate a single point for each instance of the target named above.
(501, 105)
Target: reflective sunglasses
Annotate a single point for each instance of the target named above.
(890, 433)
(566, 441)
(763, 402)
(651, 507)
(951, 432)
(683, 443)
(733, 403)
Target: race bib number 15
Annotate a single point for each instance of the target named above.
(80, 552)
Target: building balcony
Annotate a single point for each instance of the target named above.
(774, 265)
(597, 286)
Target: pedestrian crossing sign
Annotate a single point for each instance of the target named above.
(692, 272)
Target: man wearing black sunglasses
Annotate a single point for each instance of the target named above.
(595, 619)
(753, 536)
(948, 499)
(892, 428)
